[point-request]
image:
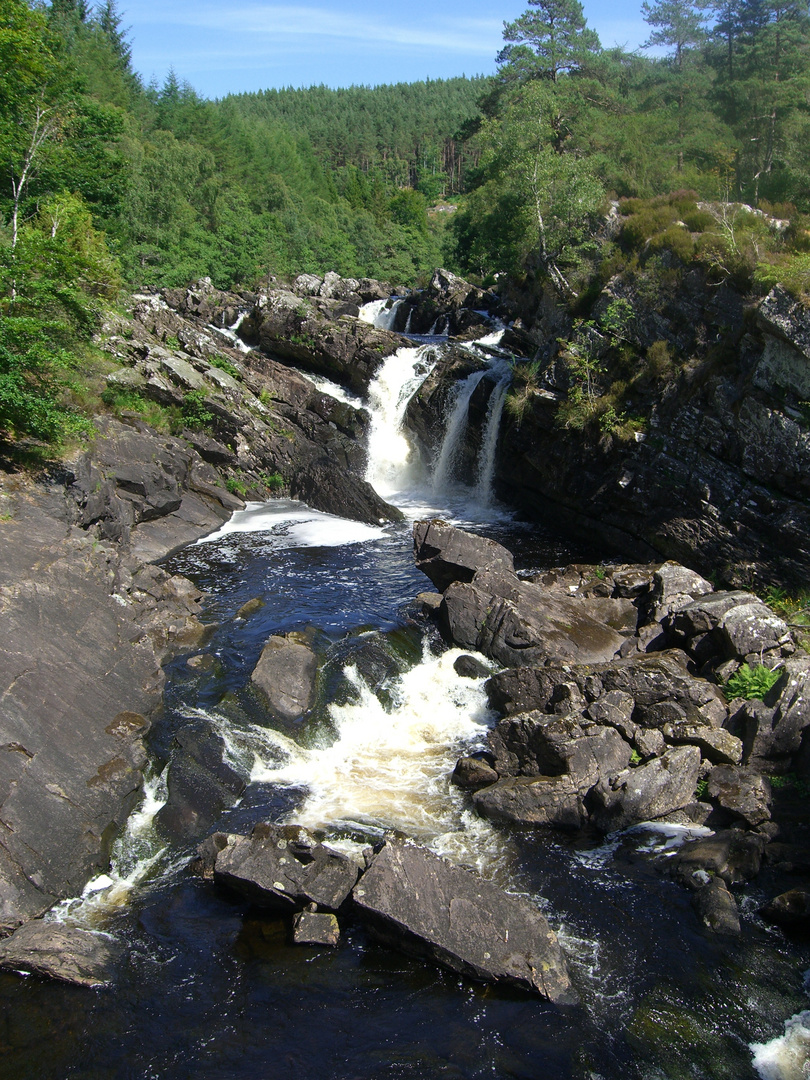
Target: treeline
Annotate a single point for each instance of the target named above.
(725, 113)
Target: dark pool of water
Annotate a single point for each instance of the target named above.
(210, 988)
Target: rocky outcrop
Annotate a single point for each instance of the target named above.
(85, 630)
(421, 904)
(449, 305)
(200, 783)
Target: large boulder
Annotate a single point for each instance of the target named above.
(743, 627)
(647, 792)
(286, 674)
(61, 952)
(446, 554)
(418, 902)
(742, 792)
(284, 867)
(552, 801)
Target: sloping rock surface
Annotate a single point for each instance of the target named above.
(60, 952)
(422, 904)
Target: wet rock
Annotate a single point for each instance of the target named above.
(325, 487)
(742, 792)
(468, 667)
(284, 867)
(715, 744)
(446, 554)
(551, 801)
(472, 773)
(315, 928)
(790, 910)
(717, 908)
(200, 782)
(731, 854)
(60, 952)
(286, 674)
(418, 902)
(250, 608)
(646, 792)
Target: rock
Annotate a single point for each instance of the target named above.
(200, 782)
(552, 801)
(315, 928)
(60, 952)
(715, 744)
(324, 487)
(472, 773)
(468, 667)
(250, 608)
(741, 791)
(742, 626)
(420, 903)
(286, 674)
(790, 910)
(446, 554)
(516, 622)
(731, 854)
(646, 792)
(717, 908)
(284, 867)
(791, 716)
(675, 586)
(536, 744)
(649, 742)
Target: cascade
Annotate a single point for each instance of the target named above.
(455, 428)
(392, 465)
(382, 313)
(489, 439)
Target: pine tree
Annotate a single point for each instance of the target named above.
(548, 41)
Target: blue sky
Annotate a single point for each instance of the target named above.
(236, 45)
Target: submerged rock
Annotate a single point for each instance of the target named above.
(60, 952)
(315, 928)
(418, 902)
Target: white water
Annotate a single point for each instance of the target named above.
(382, 313)
(390, 768)
(489, 438)
(333, 389)
(393, 465)
(786, 1057)
(454, 429)
(294, 524)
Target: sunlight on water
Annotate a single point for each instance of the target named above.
(296, 525)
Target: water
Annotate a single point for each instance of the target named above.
(211, 988)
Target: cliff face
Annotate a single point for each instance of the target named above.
(708, 463)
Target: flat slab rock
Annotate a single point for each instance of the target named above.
(59, 952)
(420, 903)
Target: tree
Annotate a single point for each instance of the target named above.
(548, 41)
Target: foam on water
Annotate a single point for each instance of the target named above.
(787, 1056)
(295, 525)
(333, 389)
(389, 768)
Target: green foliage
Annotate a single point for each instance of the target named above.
(635, 758)
(236, 486)
(226, 366)
(195, 412)
(751, 682)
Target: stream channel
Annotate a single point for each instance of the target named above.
(209, 987)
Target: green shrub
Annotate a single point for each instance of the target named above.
(195, 413)
(226, 366)
(698, 220)
(677, 240)
(752, 683)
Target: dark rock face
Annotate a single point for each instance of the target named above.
(200, 783)
(286, 674)
(418, 902)
(60, 952)
(742, 792)
(552, 801)
(449, 305)
(324, 487)
(790, 910)
(315, 928)
(731, 854)
(321, 336)
(76, 613)
(717, 908)
(285, 868)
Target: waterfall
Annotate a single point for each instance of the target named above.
(382, 313)
(392, 464)
(489, 439)
(455, 428)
